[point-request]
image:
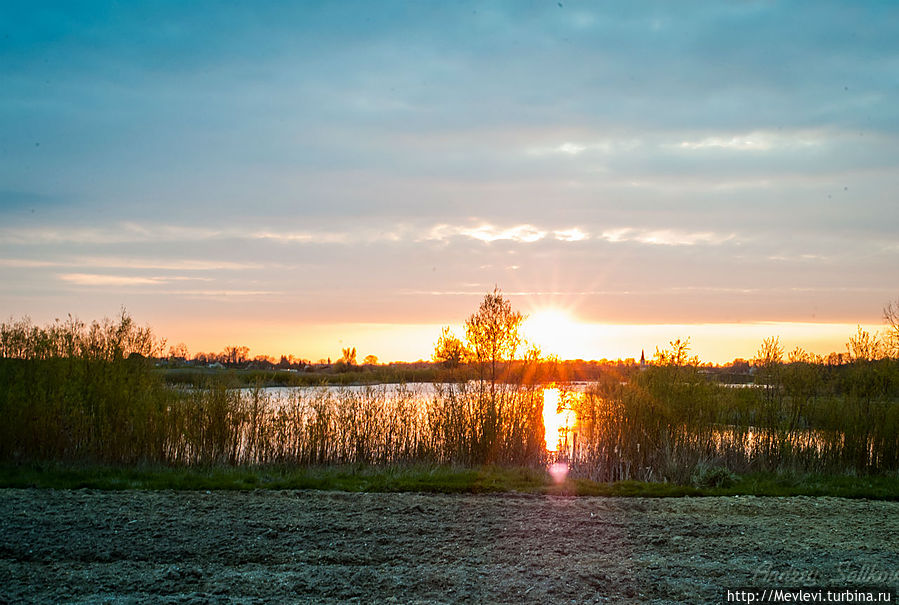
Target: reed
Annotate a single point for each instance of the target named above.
(668, 423)
(77, 393)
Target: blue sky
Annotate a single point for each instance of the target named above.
(231, 170)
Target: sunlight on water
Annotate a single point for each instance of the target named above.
(551, 418)
(555, 422)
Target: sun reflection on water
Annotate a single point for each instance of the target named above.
(555, 422)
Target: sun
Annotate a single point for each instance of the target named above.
(555, 331)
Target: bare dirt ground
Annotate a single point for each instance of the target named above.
(87, 546)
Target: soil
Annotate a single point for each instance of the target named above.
(88, 546)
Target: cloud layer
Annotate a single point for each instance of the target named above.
(651, 163)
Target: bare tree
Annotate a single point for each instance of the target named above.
(864, 346)
(768, 364)
(234, 355)
(178, 351)
(891, 317)
(678, 354)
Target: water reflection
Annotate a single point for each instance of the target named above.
(556, 422)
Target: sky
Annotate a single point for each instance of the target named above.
(301, 178)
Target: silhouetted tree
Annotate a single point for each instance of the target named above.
(768, 364)
(234, 355)
(493, 334)
(349, 356)
(178, 351)
(891, 317)
(864, 346)
(449, 350)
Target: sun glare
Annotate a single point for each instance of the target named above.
(554, 331)
(554, 422)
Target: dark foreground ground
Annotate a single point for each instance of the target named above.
(267, 546)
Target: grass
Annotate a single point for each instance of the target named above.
(432, 479)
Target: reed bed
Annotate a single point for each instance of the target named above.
(671, 424)
(77, 393)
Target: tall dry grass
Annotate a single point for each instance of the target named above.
(670, 423)
(77, 392)
(73, 392)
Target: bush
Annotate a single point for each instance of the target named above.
(705, 476)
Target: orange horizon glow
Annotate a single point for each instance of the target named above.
(556, 332)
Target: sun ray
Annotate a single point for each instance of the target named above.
(555, 331)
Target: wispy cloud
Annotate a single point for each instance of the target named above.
(665, 237)
(305, 237)
(93, 279)
(97, 279)
(122, 233)
(525, 233)
(574, 148)
(132, 263)
(221, 294)
(487, 233)
(23, 263)
(570, 235)
(753, 141)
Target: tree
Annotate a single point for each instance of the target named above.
(349, 356)
(864, 346)
(178, 351)
(493, 334)
(768, 363)
(678, 354)
(370, 360)
(891, 317)
(800, 380)
(770, 354)
(449, 351)
(500, 416)
(235, 355)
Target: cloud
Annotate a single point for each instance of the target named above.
(754, 141)
(526, 233)
(93, 279)
(487, 233)
(665, 237)
(120, 233)
(618, 145)
(220, 294)
(304, 237)
(133, 263)
(24, 263)
(570, 235)
(97, 279)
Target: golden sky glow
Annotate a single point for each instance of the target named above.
(561, 334)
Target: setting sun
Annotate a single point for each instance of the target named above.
(555, 331)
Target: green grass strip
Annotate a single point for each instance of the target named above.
(433, 479)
